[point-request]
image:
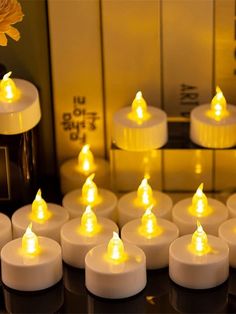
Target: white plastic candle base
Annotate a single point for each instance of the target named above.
(131, 136)
(156, 248)
(71, 178)
(76, 245)
(129, 208)
(30, 273)
(186, 222)
(107, 279)
(5, 230)
(227, 232)
(231, 204)
(106, 206)
(50, 228)
(207, 132)
(198, 272)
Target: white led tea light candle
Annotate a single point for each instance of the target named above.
(103, 201)
(133, 205)
(153, 235)
(210, 212)
(140, 127)
(231, 205)
(199, 261)
(227, 232)
(214, 125)
(80, 235)
(19, 105)
(74, 172)
(31, 263)
(48, 218)
(116, 270)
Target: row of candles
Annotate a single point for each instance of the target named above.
(198, 244)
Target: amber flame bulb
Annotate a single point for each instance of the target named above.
(40, 212)
(8, 89)
(89, 191)
(30, 243)
(86, 160)
(89, 220)
(199, 242)
(139, 107)
(115, 248)
(199, 202)
(145, 193)
(218, 106)
(149, 222)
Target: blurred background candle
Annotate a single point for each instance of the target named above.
(153, 235)
(132, 205)
(5, 230)
(115, 270)
(140, 127)
(47, 218)
(73, 172)
(199, 261)
(31, 263)
(19, 114)
(210, 212)
(214, 125)
(231, 205)
(227, 232)
(80, 235)
(103, 201)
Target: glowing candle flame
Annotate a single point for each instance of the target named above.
(139, 108)
(149, 227)
(218, 106)
(199, 244)
(30, 243)
(8, 89)
(90, 191)
(40, 212)
(200, 206)
(89, 220)
(145, 193)
(86, 160)
(115, 248)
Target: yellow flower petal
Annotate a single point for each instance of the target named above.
(3, 39)
(13, 33)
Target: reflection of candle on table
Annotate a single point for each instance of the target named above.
(79, 235)
(153, 236)
(73, 172)
(227, 232)
(141, 128)
(103, 201)
(132, 205)
(5, 230)
(214, 126)
(199, 261)
(210, 212)
(47, 218)
(31, 263)
(115, 270)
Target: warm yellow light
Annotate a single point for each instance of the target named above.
(199, 244)
(144, 193)
(8, 89)
(40, 212)
(149, 227)
(86, 160)
(29, 242)
(139, 111)
(89, 225)
(200, 207)
(218, 109)
(115, 249)
(89, 191)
